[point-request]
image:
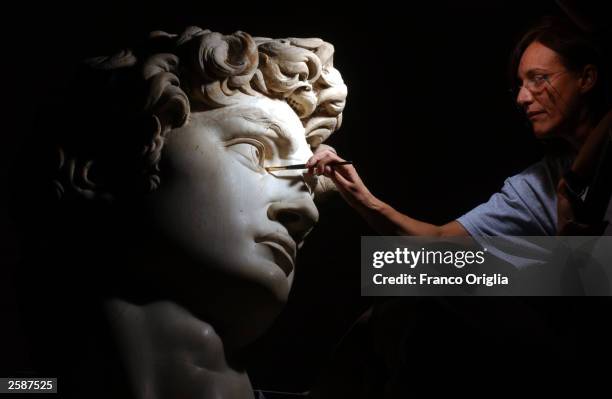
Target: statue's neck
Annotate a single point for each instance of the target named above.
(169, 353)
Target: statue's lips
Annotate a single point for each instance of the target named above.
(284, 250)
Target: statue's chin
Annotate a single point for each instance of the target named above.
(240, 308)
(240, 295)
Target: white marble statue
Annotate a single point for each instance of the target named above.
(186, 126)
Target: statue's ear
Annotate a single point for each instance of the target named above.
(324, 187)
(76, 178)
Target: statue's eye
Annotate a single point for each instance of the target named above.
(249, 149)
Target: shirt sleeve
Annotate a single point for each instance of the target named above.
(525, 206)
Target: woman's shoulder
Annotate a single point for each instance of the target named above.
(547, 170)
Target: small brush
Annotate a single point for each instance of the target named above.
(303, 166)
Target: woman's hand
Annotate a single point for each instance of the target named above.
(380, 216)
(345, 177)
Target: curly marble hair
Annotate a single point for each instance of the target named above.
(139, 95)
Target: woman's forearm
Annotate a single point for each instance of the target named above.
(386, 220)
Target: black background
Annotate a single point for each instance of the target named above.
(428, 124)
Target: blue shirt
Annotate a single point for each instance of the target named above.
(525, 206)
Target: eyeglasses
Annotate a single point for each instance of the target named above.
(536, 83)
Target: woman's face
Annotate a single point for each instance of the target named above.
(231, 229)
(550, 94)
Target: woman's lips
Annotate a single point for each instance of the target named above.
(283, 248)
(534, 114)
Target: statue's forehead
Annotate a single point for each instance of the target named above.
(264, 118)
(264, 111)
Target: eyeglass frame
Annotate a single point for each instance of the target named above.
(537, 83)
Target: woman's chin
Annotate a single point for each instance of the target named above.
(542, 131)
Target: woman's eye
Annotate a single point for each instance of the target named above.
(250, 150)
(539, 79)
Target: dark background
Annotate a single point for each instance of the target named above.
(428, 124)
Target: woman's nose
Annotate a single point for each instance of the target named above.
(524, 97)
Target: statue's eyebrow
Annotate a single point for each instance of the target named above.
(281, 136)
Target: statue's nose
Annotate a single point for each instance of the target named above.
(298, 215)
